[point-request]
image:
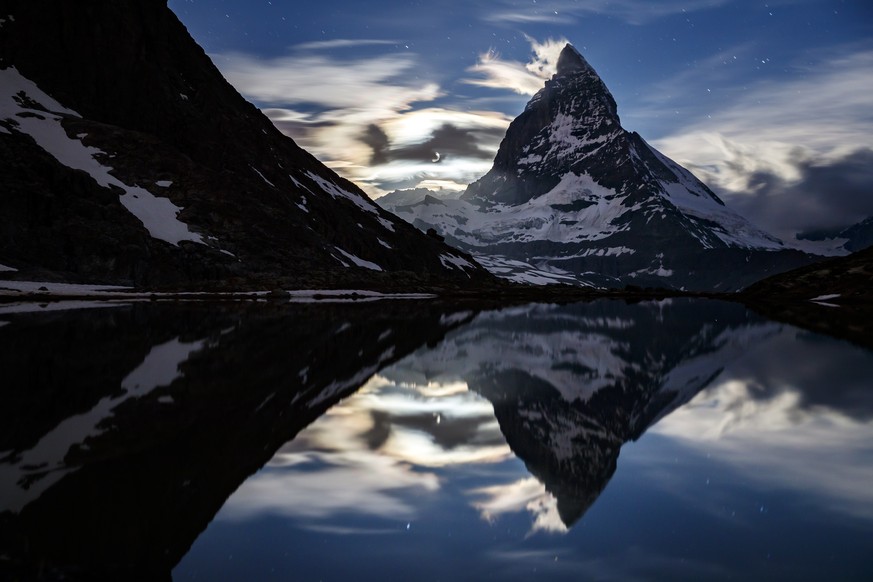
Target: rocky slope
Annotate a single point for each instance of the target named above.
(574, 193)
(127, 158)
(833, 297)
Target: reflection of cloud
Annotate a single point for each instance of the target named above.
(525, 494)
(631, 564)
(523, 78)
(778, 137)
(299, 490)
(366, 454)
(778, 442)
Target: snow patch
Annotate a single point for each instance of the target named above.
(262, 176)
(451, 261)
(359, 201)
(359, 261)
(164, 183)
(5, 269)
(158, 215)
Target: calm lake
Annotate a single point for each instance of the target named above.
(400, 440)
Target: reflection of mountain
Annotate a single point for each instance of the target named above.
(124, 430)
(571, 384)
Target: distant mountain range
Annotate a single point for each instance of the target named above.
(573, 193)
(127, 158)
(856, 237)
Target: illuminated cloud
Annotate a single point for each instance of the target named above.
(363, 115)
(770, 150)
(342, 43)
(522, 78)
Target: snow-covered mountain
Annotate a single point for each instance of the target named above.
(127, 158)
(571, 384)
(572, 191)
(856, 237)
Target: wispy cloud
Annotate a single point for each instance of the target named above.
(522, 78)
(776, 136)
(567, 11)
(342, 43)
(379, 84)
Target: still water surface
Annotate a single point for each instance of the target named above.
(679, 439)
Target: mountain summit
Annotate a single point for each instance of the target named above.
(571, 61)
(574, 193)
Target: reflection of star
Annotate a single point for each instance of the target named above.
(436, 157)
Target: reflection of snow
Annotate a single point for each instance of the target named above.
(43, 465)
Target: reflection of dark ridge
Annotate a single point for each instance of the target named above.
(144, 488)
(576, 482)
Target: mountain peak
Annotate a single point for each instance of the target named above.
(571, 61)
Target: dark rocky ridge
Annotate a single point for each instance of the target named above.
(833, 297)
(154, 103)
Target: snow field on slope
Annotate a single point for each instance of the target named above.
(158, 215)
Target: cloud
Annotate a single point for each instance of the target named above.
(825, 194)
(368, 86)
(444, 142)
(796, 146)
(377, 139)
(567, 11)
(342, 43)
(522, 78)
(367, 116)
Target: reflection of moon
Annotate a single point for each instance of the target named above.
(436, 157)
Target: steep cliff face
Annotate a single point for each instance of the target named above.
(573, 192)
(128, 158)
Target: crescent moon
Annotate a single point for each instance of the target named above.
(436, 158)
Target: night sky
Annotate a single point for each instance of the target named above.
(770, 103)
